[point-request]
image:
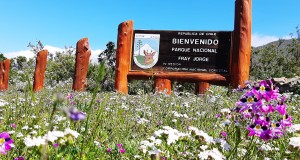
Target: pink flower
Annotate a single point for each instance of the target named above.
(122, 150)
(267, 90)
(286, 121)
(258, 108)
(20, 158)
(224, 134)
(108, 150)
(6, 142)
(70, 96)
(281, 107)
(267, 108)
(13, 125)
(119, 145)
(55, 145)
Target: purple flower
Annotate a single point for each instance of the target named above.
(254, 130)
(73, 103)
(267, 90)
(99, 100)
(277, 130)
(263, 111)
(224, 134)
(218, 115)
(13, 125)
(122, 150)
(250, 99)
(20, 158)
(266, 134)
(70, 96)
(248, 84)
(286, 121)
(159, 123)
(247, 113)
(108, 150)
(119, 145)
(263, 121)
(56, 145)
(6, 142)
(74, 114)
(281, 107)
(239, 89)
(267, 108)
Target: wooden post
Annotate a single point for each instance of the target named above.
(201, 87)
(83, 53)
(163, 85)
(4, 74)
(40, 69)
(241, 52)
(124, 44)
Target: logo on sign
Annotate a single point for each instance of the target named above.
(146, 50)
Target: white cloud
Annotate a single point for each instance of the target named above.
(53, 50)
(259, 39)
(94, 55)
(28, 54)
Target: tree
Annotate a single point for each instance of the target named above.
(277, 59)
(2, 57)
(21, 62)
(139, 43)
(60, 68)
(108, 55)
(36, 48)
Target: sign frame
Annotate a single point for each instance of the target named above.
(239, 65)
(206, 51)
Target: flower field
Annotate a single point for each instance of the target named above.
(57, 123)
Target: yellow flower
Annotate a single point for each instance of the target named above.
(2, 140)
(262, 88)
(250, 99)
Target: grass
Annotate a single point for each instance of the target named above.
(128, 120)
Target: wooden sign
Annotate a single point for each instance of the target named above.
(201, 57)
(183, 51)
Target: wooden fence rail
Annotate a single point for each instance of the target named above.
(40, 69)
(4, 74)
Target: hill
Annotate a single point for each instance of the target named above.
(276, 59)
(281, 43)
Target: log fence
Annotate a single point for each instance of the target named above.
(238, 70)
(239, 64)
(4, 74)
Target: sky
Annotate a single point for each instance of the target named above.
(62, 23)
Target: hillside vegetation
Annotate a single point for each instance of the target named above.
(276, 59)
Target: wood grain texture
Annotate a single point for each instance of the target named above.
(201, 87)
(241, 52)
(83, 53)
(123, 58)
(181, 76)
(40, 69)
(4, 74)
